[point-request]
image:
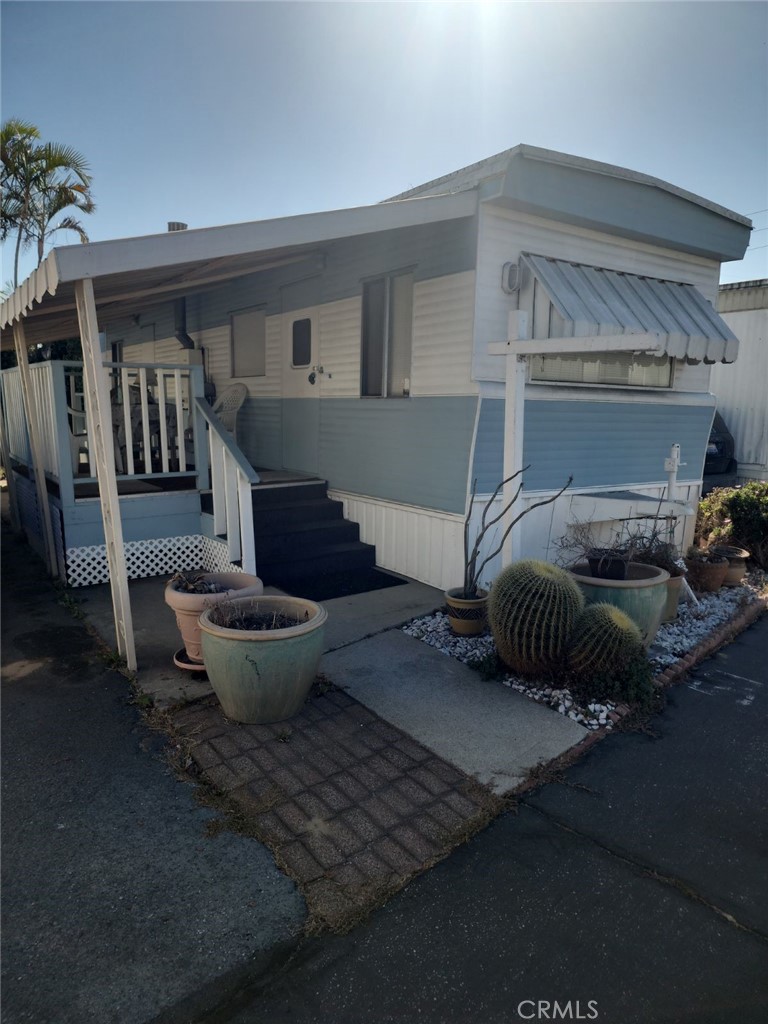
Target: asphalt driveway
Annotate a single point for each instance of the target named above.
(635, 888)
(117, 904)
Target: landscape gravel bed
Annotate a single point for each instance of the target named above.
(673, 641)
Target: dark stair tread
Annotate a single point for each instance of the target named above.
(332, 558)
(306, 541)
(303, 526)
(273, 518)
(267, 497)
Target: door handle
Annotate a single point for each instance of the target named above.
(312, 377)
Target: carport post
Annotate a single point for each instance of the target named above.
(30, 413)
(101, 445)
(514, 411)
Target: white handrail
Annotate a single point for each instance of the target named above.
(231, 480)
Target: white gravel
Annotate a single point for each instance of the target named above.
(673, 641)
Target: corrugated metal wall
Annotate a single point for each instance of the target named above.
(741, 389)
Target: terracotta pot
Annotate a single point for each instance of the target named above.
(642, 596)
(467, 616)
(737, 563)
(189, 607)
(264, 675)
(706, 577)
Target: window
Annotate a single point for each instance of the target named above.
(608, 368)
(249, 344)
(386, 337)
(301, 351)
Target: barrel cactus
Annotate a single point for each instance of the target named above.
(532, 609)
(605, 640)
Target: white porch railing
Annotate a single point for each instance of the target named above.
(150, 407)
(231, 480)
(151, 426)
(156, 409)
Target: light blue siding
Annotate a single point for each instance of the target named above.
(414, 451)
(145, 517)
(259, 432)
(600, 443)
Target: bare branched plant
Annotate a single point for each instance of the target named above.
(645, 538)
(472, 570)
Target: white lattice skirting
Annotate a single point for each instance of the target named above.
(144, 558)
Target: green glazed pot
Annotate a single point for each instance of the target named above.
(642, 595)
(264, 675)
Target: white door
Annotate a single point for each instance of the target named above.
(301, 373)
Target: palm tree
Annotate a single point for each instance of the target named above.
(52, 199)
(40, 181)
(17, 141)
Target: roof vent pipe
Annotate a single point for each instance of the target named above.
(177, 225)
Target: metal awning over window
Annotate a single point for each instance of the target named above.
(571, 300)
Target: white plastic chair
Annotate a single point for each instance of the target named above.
(228, 404)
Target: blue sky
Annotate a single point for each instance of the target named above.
(212, 113)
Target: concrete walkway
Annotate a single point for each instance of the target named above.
(487, 731)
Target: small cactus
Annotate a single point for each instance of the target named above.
(605, 640)
(532, 609)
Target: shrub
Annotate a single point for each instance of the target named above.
(736, 515)
(532, 609)
(631, 684)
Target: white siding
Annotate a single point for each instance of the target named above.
(218, 358)
(691, 376)
(168, 350)
(741, 390)
(443, 314)
(504, 234)
(216, 342)
(340, 348)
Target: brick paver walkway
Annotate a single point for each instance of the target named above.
(350, 805)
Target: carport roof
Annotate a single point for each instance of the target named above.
(179, 263)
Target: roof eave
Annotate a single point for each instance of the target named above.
(133, 255)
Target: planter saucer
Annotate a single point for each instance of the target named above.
(182, 660)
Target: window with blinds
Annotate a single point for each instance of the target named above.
(604, 368)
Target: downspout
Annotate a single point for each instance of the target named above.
(180, 324)
(180, 306)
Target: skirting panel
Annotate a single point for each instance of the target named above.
(145, 558)
(29, 514)
(418, 542)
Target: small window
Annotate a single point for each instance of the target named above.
(387, 336)
(249, 344)
(608, 368)
(301, 351)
